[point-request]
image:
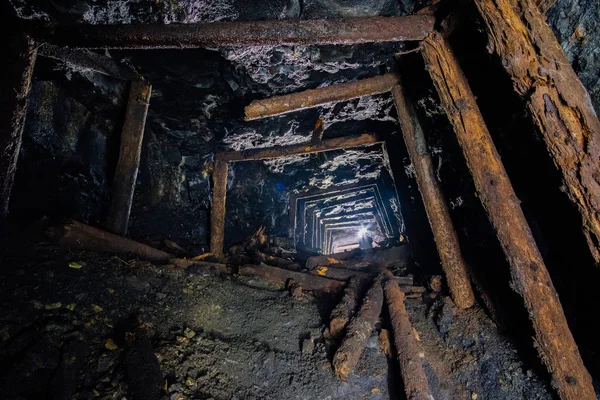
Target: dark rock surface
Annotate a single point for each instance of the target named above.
(576, 24)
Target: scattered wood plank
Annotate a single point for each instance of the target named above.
(358, 332)
(345, 309)
(128, 166)
(407, 350)
(286, 151)
(530, 277)
(442, 227)
(281, 278)
(560, 105)
(87, 60)
(240, 33)
(321, 96)
(217, 211)
(78, 235)
(16, 80)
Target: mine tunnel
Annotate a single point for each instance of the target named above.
(300, 199)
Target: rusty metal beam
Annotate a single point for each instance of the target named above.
(241, 33)
(16, 80)
(444, 234)
(317, 97)
(286, 151)
(530, 278)
(128, 166)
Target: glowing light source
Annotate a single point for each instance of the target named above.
(362, 231)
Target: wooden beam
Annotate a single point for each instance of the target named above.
(78, 235)
(132, 136)
(560, 105)
(530, 277)
(240, 33)
(317, 97)
(20, 59)
(413, 374)
(444, 234)
(545, 5)
(286, 151)
(217, 211)
(87, 60)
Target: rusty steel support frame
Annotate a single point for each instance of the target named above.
(21, 56)
(217, 213)
(128, 166)
(441, 224)
(240, 33)
(316, 97)
(530, 278)
(559, 103)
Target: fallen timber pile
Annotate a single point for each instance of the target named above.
(352, 320)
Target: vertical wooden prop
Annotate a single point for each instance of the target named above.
(217, 212)
(13, 109)
(530, 277)
(435, 205)
(132, 136)
(558, 102)
(411, 366)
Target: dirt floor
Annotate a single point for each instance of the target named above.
(82, 325)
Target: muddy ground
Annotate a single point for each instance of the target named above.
(82, 325)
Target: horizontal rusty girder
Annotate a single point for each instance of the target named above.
(240, 33)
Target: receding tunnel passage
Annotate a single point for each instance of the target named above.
(299, 199)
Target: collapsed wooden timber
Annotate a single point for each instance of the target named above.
(444, 234)
(283, 278)
(345, 309)
(126, 173)
(240, 33)
(317, 97)
(358, 332)
(13, 109)
(411, 366)
(530, 277)
(78, 235)
(560, 105)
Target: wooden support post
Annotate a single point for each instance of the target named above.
(445, 237)
(411, 366)
(530, 277)
(217, 211)
(307, 148)
(132, 136)
(560, 105)
(241, 33)
(16, 80)
(317, 97)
